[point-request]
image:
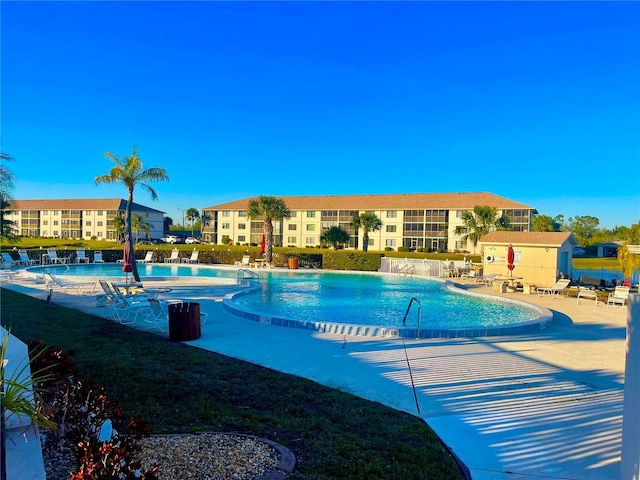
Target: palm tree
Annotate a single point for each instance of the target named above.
(335, 236)
(369, 222)
(118, 226)
(139, 223)
(268, 209)
(128, 171)
(7, 180)
(480, 221)
(192, 215)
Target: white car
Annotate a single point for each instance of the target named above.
(170, 239)
(190, 240)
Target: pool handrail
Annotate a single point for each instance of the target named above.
(404, 320)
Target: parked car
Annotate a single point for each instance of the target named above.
(170, 239)
(190, 240)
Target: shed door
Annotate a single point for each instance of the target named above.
(564, 264)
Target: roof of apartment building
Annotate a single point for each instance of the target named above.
(78, 204)
(551, 239)
(408, 201)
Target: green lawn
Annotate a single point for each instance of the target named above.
(334, 435)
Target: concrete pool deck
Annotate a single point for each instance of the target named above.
(541, 405)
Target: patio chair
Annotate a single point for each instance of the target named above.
(97, 257)
(174, 258)
(8, 259)
(82, 258)
(26, 260)
(556, 290)
(126, 309)
(56, 283)
(244, 263)
(54, 258)
(148, 257)
(193, 258)
(619, 296)
(588, 294)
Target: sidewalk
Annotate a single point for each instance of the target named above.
(536, 406)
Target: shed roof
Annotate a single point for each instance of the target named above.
(445, 201)
(550, 239)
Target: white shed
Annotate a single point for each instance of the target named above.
(540, 257)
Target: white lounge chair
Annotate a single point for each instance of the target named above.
(588, 294)
(556, 290)
(57, 283)
(148, 257)
(97, 257)
(618, 297)
(174, 258)
(245, 262)
(82, 258)
(193, 258)
(54, 258)
(26, 260)
(127, 309)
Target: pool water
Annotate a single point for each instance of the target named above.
(342, 298)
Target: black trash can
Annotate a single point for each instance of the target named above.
(184, 321)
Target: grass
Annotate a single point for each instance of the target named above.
(334, 435)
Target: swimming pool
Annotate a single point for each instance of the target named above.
(352, 303)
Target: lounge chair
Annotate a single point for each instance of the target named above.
(26, 260)
(244, 263)
(174, 258)
(57, 283)
(54, 258)
(127, 309)
(8, 259)
(193, 258)
(82, 258)
(97, 257)
(148, 257)
(618, 297)
(588, 294)
(556, 290)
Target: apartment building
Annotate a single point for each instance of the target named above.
(77, 218)
(416, 221)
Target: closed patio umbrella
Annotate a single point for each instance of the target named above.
(262, 245)
(511, 256)
(127, 267)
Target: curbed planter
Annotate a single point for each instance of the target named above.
(294, 263)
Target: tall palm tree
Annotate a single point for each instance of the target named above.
(128, 171)
(192, 215)
(480, 221)
(118, 226)
(7, 180)
(368, 222)
(268, 209)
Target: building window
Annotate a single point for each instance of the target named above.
(87, 223)
(370, 242)
(101, 224)
(391, 228)
(87, 233)
(225, 213)
(292, 240)
(242, 226)
(310, 241)
(390, 242)
(311, 227)
(459, 213)
(392, 214)
(99, 235)
(225, 226)
(241, 238)
(100, 213)
(242, 214)
(56, 223)
(459, 244)
(45, 222)
(311, 214)
(292, 226)
(293, 214)
(56, 233)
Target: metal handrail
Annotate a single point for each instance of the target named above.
(244, 274)
(407, 269)
(404, 320)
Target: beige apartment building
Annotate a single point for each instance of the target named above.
(77, 218)
(415, 221)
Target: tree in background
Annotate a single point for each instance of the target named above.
(167, 222)
(368, 222)
(480, 221)
(628, 261)
(139, 223)
(584, 229)
(268, 209)
(118, 226)
(544, 223)
(192, 215)
(129, 172)
(335, 236)
(7, 181)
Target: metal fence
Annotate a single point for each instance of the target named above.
(610, 276)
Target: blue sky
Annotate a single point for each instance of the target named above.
(538, 102)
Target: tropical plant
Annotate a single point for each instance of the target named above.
(128, 171)
(335, 236)
(628, 261)
(138, 223)
(192, 215)
(480, 221)
(7, 181)
(368, 222)
(544, 223)
(268, 209)
(118, 226)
